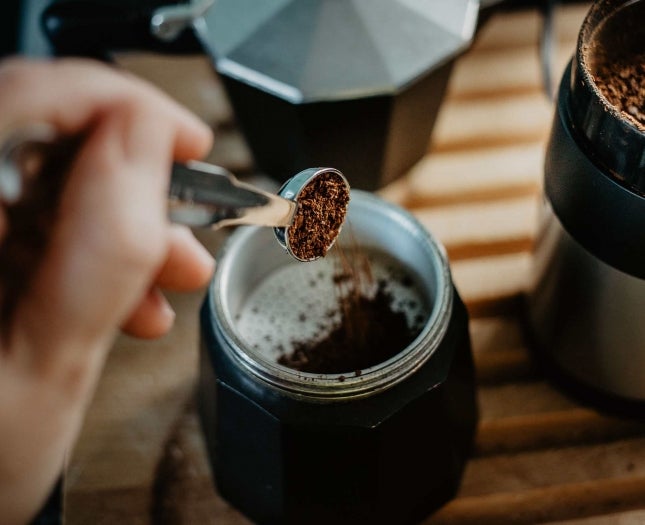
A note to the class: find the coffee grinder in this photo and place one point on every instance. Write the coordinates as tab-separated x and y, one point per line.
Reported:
586	307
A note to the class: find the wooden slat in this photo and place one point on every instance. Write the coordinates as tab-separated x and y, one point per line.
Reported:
505	72
482	229
564	428
507	400
492	285
544	504
522	28
545	467
504	366
492	334
636	517
475	175
467	124
499	352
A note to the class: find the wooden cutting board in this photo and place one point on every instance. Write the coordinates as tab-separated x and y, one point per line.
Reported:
540	456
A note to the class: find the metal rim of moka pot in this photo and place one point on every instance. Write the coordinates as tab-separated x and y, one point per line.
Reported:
595	162
333	387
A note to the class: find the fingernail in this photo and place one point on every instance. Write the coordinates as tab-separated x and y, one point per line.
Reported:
205	257
166	310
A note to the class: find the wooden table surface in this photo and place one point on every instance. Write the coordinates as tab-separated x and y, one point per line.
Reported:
540	457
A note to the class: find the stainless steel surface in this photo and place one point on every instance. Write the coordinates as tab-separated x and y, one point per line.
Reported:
586	316
250	255
298	51
202	194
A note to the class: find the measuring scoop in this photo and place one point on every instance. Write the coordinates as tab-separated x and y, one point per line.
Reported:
200	194
203	194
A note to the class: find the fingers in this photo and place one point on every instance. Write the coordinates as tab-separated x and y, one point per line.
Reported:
188	266
112	238
153	317
112	228
71	94
109	243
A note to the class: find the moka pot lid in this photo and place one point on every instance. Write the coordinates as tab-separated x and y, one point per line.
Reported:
324	50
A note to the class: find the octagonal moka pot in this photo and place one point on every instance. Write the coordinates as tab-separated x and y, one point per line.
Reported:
586	310
353	84
382	445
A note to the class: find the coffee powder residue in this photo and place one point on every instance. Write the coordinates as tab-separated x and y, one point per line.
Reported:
369	332
383	334
622	82
322	206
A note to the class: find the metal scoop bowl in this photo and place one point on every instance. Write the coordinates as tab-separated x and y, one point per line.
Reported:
292	190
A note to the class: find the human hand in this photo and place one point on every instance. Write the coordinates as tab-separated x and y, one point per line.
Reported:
111	251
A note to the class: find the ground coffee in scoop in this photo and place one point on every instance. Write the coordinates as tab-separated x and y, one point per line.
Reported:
322	206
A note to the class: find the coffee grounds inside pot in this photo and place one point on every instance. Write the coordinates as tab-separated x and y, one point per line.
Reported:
370	330
322	206
346	348
622	82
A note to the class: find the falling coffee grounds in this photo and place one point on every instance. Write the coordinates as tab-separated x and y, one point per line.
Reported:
322	206
350	348
369	331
